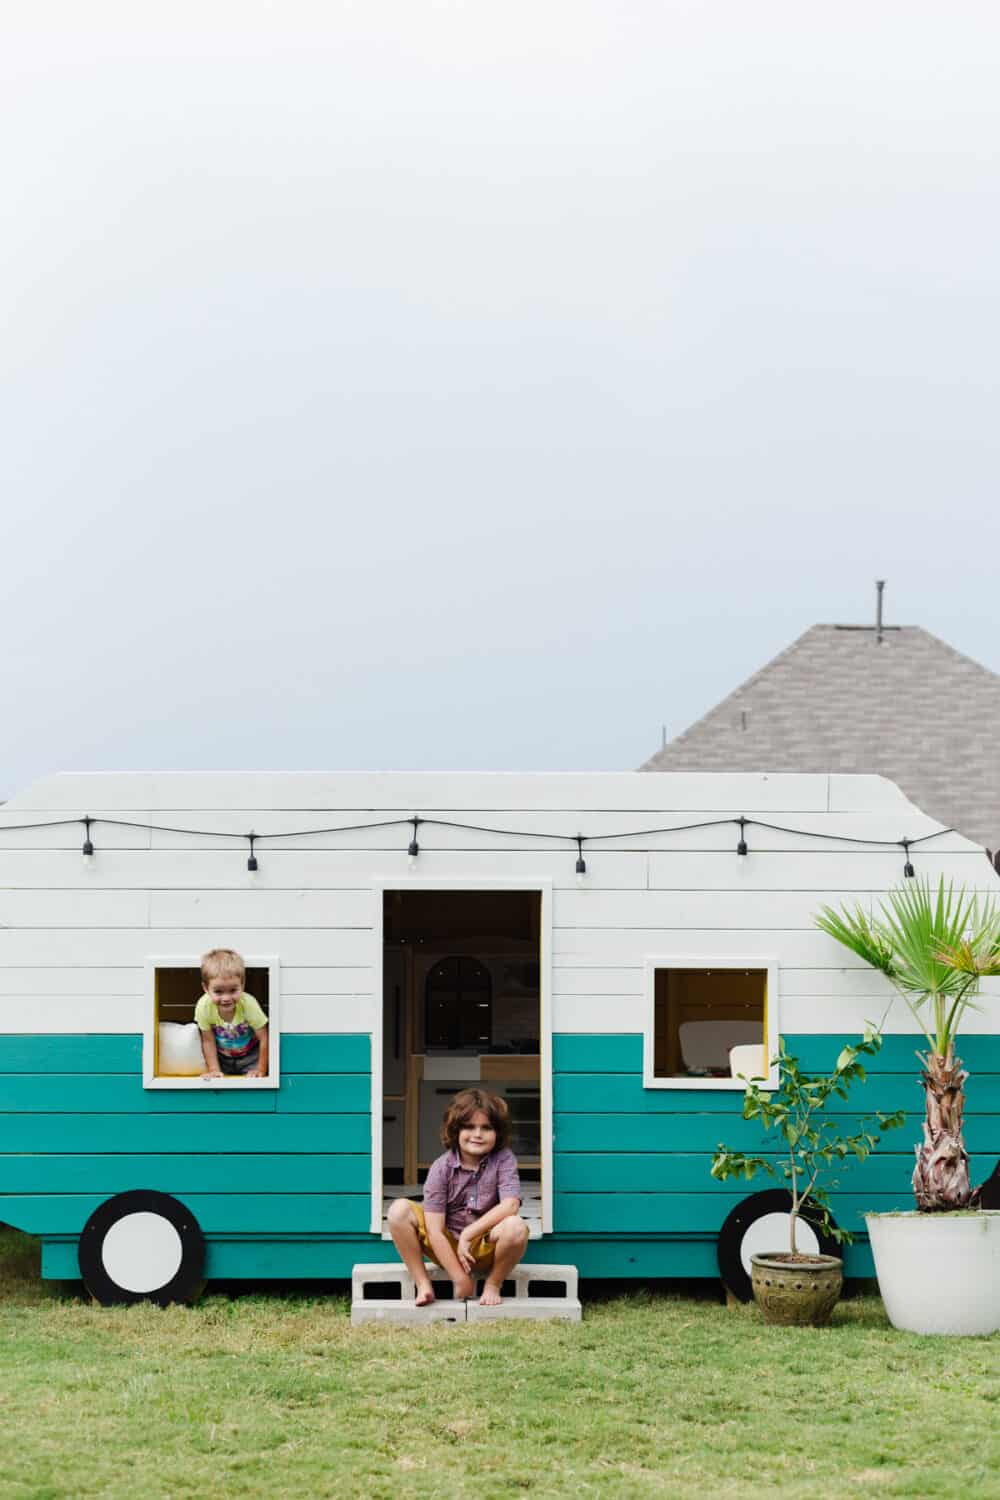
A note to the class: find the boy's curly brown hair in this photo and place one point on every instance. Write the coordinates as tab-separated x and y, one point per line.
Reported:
470	1102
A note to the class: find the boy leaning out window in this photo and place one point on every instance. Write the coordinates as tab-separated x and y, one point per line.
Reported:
232	1026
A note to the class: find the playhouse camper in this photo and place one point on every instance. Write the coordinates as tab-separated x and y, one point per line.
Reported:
605	951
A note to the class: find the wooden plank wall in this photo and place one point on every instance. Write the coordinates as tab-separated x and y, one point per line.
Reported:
638	1159
77	1126
74	937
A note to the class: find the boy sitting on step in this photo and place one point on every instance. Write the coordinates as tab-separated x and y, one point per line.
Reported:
468	1222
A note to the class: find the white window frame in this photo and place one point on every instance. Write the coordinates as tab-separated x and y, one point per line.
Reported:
710	961
150	1080
543	887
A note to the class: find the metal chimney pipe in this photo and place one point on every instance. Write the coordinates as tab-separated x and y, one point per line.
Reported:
879	586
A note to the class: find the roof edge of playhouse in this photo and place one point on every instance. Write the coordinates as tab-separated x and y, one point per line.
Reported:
414	792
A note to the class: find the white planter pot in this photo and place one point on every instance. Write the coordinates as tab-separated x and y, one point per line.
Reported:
938	1273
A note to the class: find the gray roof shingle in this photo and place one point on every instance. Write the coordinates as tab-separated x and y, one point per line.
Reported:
909	707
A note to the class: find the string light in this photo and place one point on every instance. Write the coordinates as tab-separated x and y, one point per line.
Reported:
413	849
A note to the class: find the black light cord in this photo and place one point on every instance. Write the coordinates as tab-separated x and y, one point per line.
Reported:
742	822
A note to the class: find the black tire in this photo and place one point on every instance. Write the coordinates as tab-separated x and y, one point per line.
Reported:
142	1246
735	1276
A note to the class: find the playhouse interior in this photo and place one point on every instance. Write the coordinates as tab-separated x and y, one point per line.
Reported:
709	1023
461	1004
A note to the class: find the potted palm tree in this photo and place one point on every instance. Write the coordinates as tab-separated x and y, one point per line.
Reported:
938	1267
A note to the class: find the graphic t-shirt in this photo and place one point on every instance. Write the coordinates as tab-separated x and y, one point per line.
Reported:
233	1038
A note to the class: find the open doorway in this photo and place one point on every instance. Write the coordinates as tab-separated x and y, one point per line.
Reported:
462	1005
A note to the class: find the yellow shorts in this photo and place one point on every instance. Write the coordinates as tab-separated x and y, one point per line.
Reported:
482	1250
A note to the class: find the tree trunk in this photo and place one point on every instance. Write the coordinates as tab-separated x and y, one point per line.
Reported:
941	1176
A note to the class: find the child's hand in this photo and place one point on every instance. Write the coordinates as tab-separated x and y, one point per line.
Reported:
463	1250
212	1073
464	1288
253	1073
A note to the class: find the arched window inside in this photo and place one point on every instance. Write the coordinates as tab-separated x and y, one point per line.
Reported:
458	1006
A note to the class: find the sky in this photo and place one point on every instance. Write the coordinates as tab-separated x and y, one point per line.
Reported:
433	386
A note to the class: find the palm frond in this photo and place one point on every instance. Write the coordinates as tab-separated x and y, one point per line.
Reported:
977	953
860	933
934	946
919	923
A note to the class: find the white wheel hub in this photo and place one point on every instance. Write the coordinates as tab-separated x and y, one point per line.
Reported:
142	1252
771	1232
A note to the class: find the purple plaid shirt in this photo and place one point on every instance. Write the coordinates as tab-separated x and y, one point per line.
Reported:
464	1194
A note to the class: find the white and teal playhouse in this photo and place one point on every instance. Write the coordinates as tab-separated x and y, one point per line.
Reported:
591	946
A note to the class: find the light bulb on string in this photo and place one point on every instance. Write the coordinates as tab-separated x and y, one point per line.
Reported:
908	871
252	865
88	847
581	863
741	846
414	848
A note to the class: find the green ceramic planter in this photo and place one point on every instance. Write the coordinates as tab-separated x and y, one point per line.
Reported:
796	1290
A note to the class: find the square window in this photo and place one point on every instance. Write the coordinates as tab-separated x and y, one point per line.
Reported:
172	1056
709	1022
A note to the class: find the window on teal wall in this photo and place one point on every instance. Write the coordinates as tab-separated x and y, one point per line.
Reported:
709	1024
172	1048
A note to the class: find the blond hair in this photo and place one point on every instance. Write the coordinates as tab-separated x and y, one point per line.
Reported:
219	963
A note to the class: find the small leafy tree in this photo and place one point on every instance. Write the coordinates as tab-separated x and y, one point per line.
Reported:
934	948
814	1144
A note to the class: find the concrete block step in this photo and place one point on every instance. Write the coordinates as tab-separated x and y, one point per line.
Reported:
375	1298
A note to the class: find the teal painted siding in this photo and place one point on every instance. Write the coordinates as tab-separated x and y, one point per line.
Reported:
217	1213
76	1126
635	1161
113	1173
632	1195
590	1052
301	1052
159	1134
70	1054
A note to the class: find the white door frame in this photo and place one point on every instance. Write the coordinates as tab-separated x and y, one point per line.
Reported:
543	887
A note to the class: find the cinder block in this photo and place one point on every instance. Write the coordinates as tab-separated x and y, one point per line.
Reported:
403	1309
389	1273
407	1313
523	1275
540	1309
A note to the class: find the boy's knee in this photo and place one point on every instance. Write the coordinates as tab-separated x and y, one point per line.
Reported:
513	1232
400	1212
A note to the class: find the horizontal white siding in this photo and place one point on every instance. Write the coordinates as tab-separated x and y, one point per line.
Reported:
74	935
413	792
127	1013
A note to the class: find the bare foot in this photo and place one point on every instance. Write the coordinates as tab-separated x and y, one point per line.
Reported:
491	1295
425	1294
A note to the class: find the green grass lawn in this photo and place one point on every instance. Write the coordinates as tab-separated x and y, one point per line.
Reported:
653	1394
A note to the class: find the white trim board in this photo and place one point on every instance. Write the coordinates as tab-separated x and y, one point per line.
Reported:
185	961
543	887
711	961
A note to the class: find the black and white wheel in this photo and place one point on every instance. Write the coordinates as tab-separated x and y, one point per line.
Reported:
761	1223
142	1246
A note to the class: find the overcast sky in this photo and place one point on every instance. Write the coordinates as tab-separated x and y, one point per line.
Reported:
480	386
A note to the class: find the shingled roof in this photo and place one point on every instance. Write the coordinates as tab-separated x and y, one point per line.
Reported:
906	706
